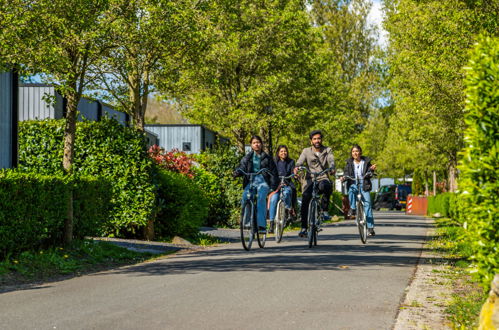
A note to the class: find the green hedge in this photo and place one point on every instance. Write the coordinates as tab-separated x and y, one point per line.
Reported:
33	208
214	175
439	204
105	150
479	178
184	205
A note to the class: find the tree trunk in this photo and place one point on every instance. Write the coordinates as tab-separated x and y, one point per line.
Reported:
434	183
452	177
68	158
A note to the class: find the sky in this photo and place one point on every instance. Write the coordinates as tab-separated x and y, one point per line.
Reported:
375	17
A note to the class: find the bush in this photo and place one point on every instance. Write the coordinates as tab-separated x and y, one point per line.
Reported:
33	208
479	179
439	204
105	150
215	178
184	206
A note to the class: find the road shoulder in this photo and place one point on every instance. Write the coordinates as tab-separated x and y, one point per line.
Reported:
428	292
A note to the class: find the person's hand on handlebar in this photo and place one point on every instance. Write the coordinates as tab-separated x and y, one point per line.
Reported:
236	173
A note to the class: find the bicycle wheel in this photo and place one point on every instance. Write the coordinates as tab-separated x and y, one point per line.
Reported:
260	237
280	221
361	222
312	216
246	226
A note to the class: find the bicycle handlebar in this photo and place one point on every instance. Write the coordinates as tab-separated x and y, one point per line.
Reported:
315	173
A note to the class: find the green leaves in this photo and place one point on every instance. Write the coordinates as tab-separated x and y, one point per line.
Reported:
114	154
479	182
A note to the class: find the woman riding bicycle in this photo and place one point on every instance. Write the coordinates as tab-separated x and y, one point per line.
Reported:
359	166
253	162
285	167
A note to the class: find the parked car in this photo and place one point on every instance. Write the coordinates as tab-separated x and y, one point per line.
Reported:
392	196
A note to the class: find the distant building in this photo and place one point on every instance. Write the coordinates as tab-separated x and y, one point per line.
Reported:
41	101
8	119
188	138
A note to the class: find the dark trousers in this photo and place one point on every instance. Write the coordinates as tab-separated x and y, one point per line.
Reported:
325	188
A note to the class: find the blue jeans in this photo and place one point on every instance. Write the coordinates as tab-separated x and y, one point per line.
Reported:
262	189
287	193
366	197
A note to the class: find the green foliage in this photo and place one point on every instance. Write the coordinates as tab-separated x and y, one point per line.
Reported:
105	150
429	44
439	204
215	177
335	205
184	205
479	181
33	208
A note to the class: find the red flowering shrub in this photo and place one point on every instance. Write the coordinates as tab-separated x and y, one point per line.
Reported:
175	160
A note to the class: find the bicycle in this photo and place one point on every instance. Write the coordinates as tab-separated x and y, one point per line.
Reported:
248	224
360	217
282	213
315	212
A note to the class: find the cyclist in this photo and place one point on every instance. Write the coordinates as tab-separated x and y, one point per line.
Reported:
359	166
317	157
253	162
285	167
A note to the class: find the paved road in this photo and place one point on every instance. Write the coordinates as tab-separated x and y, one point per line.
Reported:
340	284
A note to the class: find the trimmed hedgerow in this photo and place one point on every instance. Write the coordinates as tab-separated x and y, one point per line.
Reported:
184	205
105	150
33	208
479	179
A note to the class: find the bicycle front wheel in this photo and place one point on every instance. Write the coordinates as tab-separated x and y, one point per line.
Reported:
280	221
312	219
361	222
246	226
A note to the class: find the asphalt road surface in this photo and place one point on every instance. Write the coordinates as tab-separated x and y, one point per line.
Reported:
340	284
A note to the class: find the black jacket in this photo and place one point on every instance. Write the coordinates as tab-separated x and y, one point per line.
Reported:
271	177
350	171
290	165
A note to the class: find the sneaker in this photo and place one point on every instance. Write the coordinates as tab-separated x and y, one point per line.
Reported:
326	216
303	232
262	230
371	231
271	229
352	213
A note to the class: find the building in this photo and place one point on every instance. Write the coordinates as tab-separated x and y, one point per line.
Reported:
41	101
188	138
8	119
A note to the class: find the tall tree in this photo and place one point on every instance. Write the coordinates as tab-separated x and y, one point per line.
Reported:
60	39
429	45
151	40
247	78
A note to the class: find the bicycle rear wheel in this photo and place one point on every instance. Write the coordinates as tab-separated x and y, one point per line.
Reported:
312	218
280	221
246	226
361	222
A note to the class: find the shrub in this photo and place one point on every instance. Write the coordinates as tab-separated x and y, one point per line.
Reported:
33	208
105	150
175	161
184	206
439	204
479	179
218	164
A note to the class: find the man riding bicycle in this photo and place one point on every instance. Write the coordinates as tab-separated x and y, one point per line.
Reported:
253	162
317	157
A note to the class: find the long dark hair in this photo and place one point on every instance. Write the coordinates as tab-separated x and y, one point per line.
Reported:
277	152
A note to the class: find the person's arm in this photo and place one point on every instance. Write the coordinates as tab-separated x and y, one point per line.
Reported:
274	175
301	160
242	166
